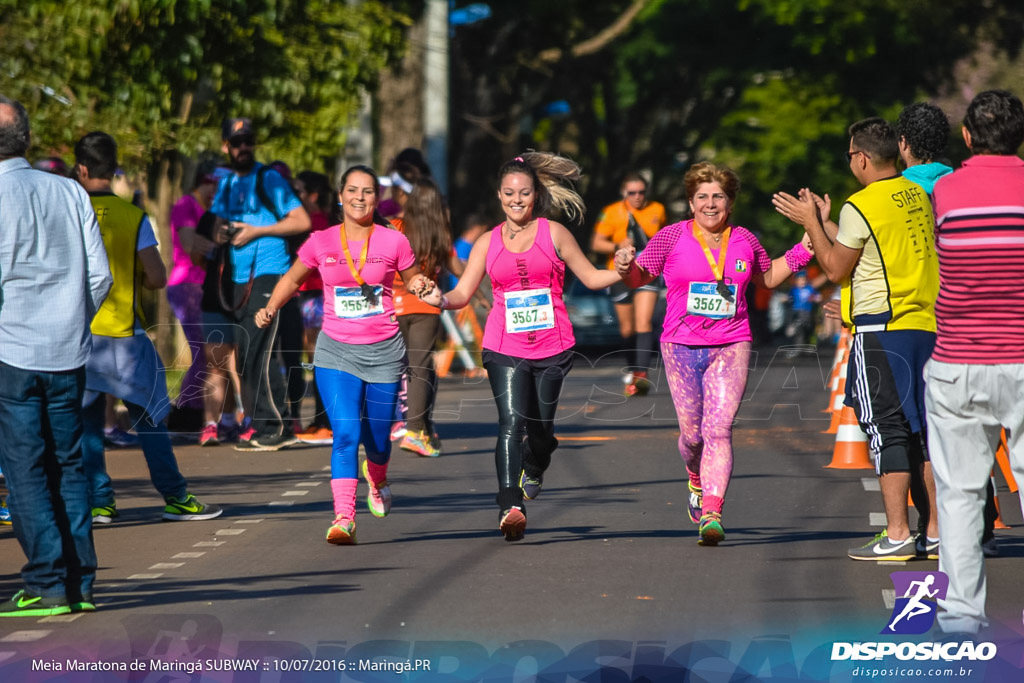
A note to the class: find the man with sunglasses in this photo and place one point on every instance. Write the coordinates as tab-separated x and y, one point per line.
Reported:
624	224
256	211
884	256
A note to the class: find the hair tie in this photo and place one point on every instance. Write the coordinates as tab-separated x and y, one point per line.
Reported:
520	160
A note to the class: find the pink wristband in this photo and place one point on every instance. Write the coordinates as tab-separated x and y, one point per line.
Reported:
798	257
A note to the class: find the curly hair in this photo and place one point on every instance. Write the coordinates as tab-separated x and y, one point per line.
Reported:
552	175
925	129
706	172
14	130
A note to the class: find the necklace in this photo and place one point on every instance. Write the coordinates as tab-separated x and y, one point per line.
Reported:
512	233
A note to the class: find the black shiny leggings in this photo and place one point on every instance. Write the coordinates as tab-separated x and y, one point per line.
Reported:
527	399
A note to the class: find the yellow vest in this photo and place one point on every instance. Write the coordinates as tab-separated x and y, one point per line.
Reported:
119	225
901	250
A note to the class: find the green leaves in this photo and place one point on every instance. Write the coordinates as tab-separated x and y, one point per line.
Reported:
160	75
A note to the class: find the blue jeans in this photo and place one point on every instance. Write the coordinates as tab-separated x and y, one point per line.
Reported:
41	456
155	444
358	411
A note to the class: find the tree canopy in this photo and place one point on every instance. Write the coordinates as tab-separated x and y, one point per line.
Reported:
768	87
160	75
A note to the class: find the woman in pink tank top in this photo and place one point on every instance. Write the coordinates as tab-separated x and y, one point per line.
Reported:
528	340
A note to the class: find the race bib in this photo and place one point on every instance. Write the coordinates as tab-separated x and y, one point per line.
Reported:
529	310
349	303
704	300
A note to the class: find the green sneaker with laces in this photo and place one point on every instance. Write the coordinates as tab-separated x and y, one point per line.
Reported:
189	509
711	531
24	604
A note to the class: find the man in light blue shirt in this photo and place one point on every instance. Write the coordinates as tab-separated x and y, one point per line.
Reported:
53	278
256	210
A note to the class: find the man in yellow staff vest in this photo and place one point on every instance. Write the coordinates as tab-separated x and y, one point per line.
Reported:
124	362
884	253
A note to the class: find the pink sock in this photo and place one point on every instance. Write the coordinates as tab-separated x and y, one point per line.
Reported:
694	478
344	491
378	473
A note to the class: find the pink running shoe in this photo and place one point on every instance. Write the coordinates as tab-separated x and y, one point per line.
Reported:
209	437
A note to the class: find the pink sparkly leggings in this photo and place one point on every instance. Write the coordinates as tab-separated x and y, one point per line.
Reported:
707	385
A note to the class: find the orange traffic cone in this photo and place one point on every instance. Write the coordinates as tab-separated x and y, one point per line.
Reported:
842	352
1000	524
838	396
851	451
1003	460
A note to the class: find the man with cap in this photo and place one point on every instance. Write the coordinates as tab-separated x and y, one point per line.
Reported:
256	212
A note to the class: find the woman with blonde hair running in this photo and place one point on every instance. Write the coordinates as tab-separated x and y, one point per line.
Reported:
528	339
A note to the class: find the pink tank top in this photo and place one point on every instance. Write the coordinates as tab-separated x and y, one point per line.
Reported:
528	319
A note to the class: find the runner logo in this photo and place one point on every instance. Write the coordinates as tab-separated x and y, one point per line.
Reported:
916	597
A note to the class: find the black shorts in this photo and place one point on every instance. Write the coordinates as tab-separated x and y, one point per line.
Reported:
622	294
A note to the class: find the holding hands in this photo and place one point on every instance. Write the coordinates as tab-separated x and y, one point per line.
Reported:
625	257
426	290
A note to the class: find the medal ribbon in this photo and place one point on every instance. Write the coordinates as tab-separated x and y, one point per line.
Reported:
364	288
717	269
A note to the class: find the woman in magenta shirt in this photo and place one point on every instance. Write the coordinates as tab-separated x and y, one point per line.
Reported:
705	343
185	281
359	357
528	339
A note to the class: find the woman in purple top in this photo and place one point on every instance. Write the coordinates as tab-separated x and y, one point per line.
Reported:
528	340
705	343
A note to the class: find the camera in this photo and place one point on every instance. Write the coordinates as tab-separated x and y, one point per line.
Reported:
231	230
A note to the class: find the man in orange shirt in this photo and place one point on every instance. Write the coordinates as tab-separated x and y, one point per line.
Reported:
630	223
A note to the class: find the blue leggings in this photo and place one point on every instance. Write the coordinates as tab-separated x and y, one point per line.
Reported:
359	412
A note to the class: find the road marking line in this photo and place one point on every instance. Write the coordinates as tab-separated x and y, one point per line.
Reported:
310	484
282	502
229	532
144	576
187	556
871	484
24	636
877	519
892	563
61	618
889	597
325	469
586	438
168	565
295	493
208	544
248	521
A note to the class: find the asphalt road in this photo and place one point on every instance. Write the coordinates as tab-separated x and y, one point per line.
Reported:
609	578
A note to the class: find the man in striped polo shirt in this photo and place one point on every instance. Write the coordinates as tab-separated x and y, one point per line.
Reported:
976	373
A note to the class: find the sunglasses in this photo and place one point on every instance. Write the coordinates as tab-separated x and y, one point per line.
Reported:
247	140
633	193
849	155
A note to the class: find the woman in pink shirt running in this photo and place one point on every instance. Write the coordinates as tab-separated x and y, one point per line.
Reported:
705	342
528	340
360	354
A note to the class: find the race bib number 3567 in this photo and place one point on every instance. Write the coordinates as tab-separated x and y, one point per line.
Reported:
704	300
529	310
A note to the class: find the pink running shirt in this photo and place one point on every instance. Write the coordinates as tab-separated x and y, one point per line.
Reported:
389	252
538	268
186	211
676	254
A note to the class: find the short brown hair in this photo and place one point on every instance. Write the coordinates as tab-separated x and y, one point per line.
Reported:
706	172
